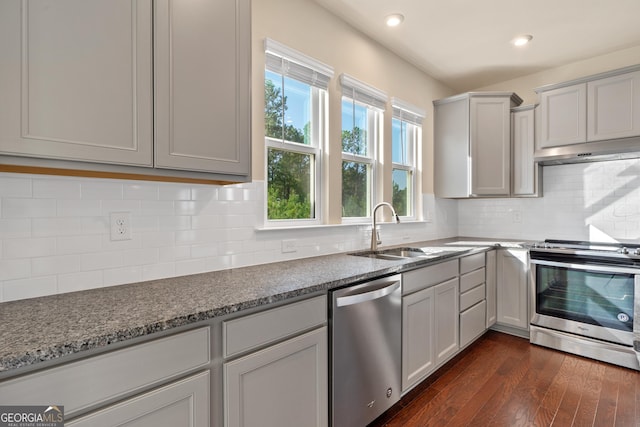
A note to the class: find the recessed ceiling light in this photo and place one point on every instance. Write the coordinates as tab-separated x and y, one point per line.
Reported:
394	20
522	40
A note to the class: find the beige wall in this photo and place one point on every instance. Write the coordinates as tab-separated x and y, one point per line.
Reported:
305	26
524	86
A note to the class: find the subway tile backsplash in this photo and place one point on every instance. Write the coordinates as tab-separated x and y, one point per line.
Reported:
586	201
54	232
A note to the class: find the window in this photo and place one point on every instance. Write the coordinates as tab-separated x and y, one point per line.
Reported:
362	108
295	114
406	132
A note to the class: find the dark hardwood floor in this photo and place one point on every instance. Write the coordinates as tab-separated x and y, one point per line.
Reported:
502	380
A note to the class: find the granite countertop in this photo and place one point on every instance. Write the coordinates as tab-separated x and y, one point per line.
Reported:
47	328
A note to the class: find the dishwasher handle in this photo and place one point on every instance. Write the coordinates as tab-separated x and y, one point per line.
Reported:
379	291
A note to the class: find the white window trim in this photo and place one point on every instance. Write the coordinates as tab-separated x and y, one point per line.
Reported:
319	122
376	101
374	120
415	114
289	54
412	115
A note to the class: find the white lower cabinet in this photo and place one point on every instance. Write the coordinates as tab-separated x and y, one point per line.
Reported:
444	309
418	351
278	383
96	382
472	323
183	403
512	288
473	294
491	283
429	320
446	320
282	385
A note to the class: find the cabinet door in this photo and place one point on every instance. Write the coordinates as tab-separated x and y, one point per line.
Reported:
282	385
613	109
525	170
490	145
563	116
202	86
491	287
418	358
183	403
451	148
76	80
446	320
512	288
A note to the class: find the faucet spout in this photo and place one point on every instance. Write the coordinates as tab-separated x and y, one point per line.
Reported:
375	240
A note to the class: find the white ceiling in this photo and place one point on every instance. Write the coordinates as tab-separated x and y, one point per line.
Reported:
466	43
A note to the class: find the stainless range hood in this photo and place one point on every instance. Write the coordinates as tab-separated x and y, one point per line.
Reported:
614	149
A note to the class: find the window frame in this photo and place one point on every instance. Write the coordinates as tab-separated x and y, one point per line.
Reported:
318	122
411	117
374	101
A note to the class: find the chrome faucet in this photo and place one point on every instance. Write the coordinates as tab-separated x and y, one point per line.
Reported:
375	238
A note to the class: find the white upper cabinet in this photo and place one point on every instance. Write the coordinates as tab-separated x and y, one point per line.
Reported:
472	144
613	107
595	108
525	173
76	80
451	148
161	84
490	142
202	87
563	116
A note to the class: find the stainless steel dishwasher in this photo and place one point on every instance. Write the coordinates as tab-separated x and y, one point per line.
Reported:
365	350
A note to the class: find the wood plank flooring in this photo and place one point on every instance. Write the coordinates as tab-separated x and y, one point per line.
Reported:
503	380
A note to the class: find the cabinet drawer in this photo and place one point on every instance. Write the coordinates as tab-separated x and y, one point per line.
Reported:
424	277
472	297
98	379
472	323
471	262
471	280
183	403
249	332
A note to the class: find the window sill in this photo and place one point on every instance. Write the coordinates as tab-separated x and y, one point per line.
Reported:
327	226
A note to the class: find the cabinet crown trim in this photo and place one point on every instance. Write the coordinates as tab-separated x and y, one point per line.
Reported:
515	99
586	79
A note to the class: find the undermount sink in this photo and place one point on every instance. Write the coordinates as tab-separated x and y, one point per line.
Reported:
404	252
428	252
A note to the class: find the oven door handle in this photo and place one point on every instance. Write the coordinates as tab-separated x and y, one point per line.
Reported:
587	267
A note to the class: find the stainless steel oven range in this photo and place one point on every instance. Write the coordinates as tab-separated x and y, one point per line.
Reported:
586	299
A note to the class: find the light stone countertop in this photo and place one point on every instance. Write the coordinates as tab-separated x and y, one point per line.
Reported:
47	328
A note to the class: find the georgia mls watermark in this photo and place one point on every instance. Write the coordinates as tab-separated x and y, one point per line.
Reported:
32	416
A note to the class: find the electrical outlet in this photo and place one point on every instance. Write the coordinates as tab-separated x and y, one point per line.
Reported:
517	216
428	216
120	225
288	246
